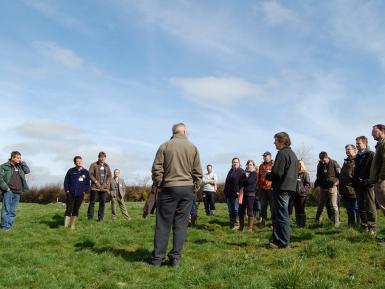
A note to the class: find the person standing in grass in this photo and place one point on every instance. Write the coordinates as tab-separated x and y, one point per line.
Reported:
117	192
328	173
177	172
301	194
76	183
248	185
231	191
346	186
284	176
377	171
364	188
265	191
209	189
100	174
12	184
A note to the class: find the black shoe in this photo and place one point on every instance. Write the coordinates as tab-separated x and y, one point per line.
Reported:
174	263
151	262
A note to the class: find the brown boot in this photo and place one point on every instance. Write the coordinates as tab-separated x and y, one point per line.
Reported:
241	224
261	225
250	223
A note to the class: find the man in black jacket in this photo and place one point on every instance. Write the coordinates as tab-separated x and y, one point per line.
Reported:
284	177
364	188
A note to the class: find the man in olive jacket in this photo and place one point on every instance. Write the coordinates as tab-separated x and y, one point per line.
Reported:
284	176
100	174
177	172
328	173
377	171
12	184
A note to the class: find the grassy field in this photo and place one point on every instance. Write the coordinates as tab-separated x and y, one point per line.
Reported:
40	253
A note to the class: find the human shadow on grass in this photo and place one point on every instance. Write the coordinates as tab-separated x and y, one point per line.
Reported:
219	222
203	227
56	221
301	237
139	255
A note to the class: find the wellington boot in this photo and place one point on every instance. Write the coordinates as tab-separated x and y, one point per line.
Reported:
72	222
236	223
241	224
262	224
250	223
67	221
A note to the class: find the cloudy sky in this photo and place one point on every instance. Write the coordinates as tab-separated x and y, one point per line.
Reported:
78	77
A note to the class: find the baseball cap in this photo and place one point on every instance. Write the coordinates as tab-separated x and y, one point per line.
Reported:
266	153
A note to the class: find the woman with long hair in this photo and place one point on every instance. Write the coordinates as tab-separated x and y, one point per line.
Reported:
300	197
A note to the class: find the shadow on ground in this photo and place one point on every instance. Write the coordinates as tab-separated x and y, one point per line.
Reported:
56	221
138	255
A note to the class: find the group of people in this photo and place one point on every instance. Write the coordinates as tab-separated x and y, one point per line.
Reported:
281	184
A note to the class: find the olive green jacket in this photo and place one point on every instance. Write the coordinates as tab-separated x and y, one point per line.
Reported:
6	173
346	179
95	177
377	170
177	163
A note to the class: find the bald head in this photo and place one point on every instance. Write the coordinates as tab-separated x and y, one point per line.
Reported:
179	129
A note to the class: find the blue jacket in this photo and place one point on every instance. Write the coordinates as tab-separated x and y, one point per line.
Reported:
248	181
232	182
77	182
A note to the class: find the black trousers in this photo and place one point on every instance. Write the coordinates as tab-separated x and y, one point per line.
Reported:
209	201
102	202
73	205
172	211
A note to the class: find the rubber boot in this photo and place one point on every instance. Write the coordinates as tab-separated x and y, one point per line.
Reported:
236	223
241	223
300	220
194	219
67	221
212	212
72	222
250	223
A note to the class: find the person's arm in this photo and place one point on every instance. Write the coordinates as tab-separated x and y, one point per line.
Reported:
92	174
25	167
67	182
109	176
87	181
278	169
197	171
157	167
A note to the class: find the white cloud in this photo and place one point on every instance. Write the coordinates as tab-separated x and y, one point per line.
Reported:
62	55
220	90
276	14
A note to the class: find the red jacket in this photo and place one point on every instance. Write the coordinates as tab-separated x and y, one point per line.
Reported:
264	184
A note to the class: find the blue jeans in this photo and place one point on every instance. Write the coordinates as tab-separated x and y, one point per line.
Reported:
233	206
256	207
194	207
281	219
351	206
8	211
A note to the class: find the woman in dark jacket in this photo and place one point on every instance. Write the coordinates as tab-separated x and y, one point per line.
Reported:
300	197
231	191
248	185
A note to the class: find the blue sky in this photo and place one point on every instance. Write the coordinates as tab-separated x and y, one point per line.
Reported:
78	77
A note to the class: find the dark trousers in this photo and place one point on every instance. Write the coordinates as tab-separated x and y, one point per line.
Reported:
209	201
256	207
266	198
351	206
248	203
281	220
102	202
73	205
367	206
173	208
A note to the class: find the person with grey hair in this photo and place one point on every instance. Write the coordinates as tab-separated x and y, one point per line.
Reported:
12	184
284	176
177	173
346	185
117	193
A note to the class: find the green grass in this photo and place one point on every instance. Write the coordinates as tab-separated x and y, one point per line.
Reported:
40	253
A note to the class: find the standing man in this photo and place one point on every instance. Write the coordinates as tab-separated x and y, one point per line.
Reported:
284	176
100	174
264	188
364	188
76	183
347	189
12	184
177	171
117	192
328	173
210	187
377	171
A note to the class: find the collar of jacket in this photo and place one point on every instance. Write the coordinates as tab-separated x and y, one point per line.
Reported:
178	136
